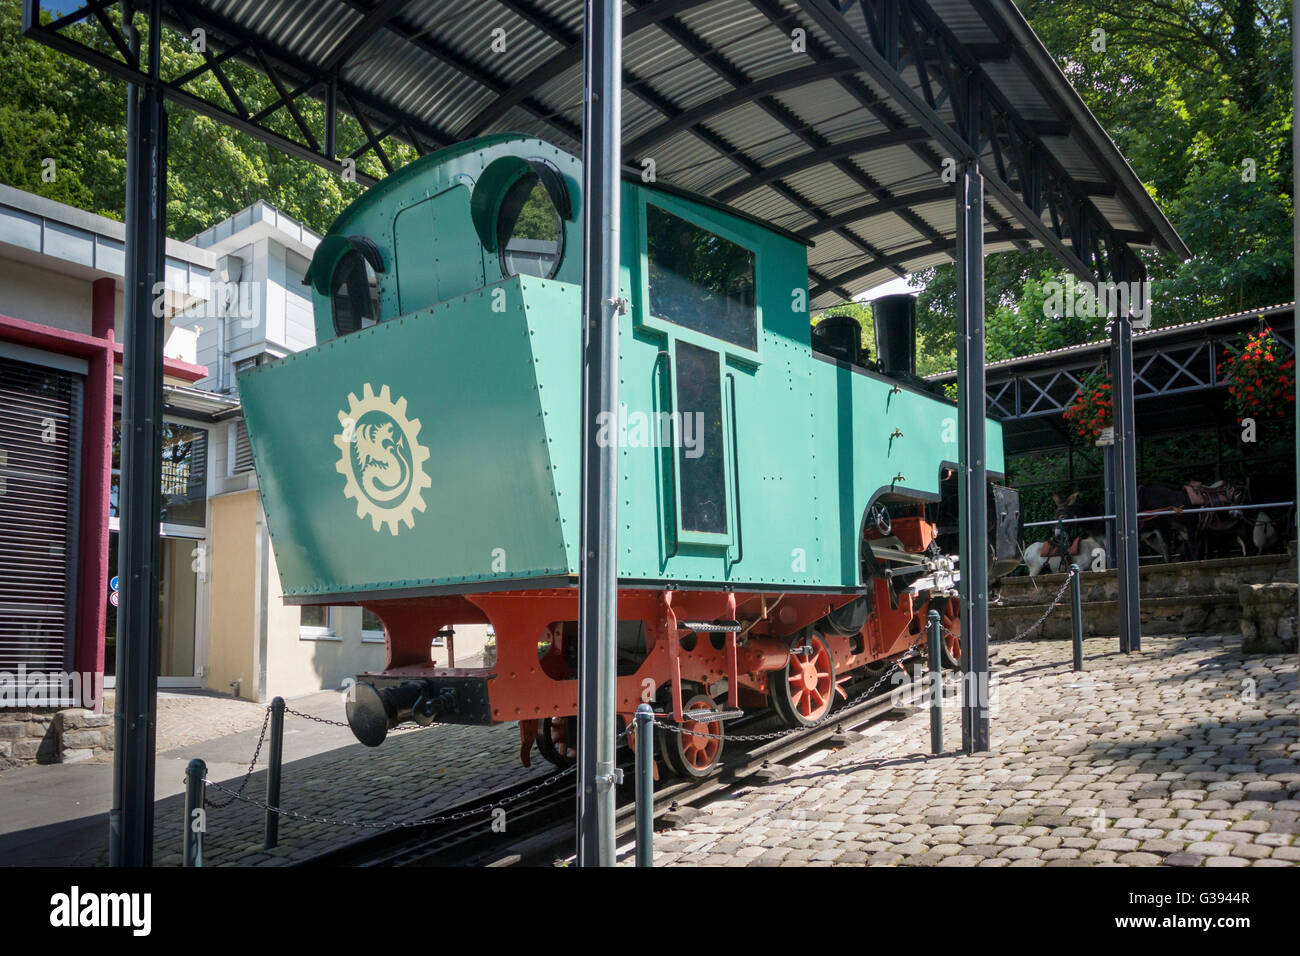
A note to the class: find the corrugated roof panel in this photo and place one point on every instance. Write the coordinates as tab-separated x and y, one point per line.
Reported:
410	64
1013	83
770	206
829	109
687	162
309	30
744	36
963	20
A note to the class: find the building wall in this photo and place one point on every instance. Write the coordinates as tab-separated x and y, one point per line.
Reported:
273	312
46	297
242	568
232	580
297	664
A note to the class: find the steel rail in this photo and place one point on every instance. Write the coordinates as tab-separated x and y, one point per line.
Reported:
548	813
1166	511
681	793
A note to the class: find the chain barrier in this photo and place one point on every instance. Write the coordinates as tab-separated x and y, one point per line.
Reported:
673	727
319	720
1069	576
252	764
398	824
238	795
257	752
1065	585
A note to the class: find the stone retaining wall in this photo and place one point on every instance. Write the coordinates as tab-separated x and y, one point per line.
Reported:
1205	597
1268	617
46	735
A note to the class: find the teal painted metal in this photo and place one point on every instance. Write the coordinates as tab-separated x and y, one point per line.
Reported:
439	449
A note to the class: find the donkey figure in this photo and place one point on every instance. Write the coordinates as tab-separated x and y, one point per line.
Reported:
1192	537
1086	547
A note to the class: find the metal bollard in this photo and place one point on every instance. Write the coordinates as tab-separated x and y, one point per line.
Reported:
273	775
1076	616
936	684
645	785
196	819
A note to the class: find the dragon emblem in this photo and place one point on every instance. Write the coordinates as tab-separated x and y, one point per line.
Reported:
381	459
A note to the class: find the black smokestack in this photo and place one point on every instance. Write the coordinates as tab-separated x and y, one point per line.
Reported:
895	317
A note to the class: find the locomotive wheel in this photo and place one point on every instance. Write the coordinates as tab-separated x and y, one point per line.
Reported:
950	636
556	739
802	693
687	754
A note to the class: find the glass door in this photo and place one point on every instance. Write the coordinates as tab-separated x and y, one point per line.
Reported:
179	599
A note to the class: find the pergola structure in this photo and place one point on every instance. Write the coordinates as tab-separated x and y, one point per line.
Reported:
1177	389
892	134
1177	385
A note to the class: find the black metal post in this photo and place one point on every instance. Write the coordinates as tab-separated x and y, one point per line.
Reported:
1108	505
972	480
936	683
273	775
135	709
602	307
1076	616
1126	526
196	820
645	786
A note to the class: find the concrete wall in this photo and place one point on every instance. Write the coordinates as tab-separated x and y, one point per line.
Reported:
297	662
46	297
278	312
299	665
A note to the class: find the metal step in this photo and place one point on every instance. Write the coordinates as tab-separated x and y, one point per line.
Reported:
708	716
707	627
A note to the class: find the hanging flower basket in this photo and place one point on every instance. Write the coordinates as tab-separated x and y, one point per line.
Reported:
1260	384
1090	410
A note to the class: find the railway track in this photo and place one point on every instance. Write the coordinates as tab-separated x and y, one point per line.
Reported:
541	822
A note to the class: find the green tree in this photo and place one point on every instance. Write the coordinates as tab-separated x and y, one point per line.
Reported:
53	107
1197	95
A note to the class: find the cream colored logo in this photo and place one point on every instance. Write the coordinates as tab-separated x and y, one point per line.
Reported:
381	459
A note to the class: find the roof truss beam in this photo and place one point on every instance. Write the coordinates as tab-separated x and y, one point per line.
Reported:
291	77
894	260
1018	170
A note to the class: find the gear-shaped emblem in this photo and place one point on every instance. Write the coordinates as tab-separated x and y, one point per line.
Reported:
381	459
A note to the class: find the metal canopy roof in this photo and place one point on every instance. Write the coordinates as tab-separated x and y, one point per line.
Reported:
840	134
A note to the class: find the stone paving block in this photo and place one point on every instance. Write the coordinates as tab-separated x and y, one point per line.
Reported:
1183	779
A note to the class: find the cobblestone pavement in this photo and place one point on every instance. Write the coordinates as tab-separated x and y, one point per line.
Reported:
187	718
413	775
1184	754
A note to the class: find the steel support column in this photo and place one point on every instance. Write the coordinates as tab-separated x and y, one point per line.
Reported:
602	307
1108	501
972	481
1126	524
135	709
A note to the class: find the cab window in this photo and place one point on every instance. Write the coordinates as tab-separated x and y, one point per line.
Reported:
354	294
531	233
699	280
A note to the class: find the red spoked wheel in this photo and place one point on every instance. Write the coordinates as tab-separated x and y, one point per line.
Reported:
802	693
950	636
688	753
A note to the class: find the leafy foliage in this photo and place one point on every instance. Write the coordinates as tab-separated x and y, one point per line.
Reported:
1197	95
55	107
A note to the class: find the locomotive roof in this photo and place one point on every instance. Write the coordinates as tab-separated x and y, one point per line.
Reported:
832	133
